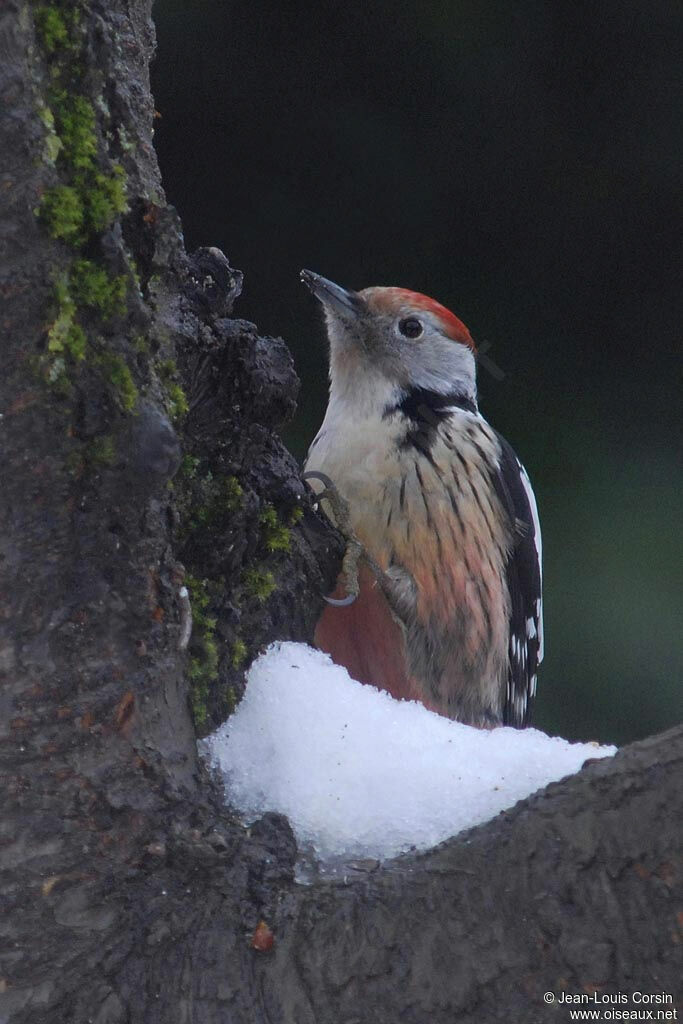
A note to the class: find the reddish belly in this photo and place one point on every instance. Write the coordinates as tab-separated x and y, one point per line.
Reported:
365	638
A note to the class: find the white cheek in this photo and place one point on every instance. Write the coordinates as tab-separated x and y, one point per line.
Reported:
440	365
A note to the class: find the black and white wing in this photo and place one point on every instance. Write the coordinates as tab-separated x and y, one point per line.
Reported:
524	580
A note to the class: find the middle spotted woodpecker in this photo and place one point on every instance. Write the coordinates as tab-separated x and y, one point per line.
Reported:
448	610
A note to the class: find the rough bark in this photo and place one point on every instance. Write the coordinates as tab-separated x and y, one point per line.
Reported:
138	456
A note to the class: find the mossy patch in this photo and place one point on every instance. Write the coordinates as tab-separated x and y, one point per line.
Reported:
86	286
53	144
213	498
119	379
75	125
65	336
276	536
105	198
230	701
239	653
203	670
91	197
55	27
189	466
72	213
140	344
177	402
175	396
259	583
92	286
61	211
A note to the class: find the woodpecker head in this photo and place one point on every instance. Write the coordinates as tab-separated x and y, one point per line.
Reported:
388	341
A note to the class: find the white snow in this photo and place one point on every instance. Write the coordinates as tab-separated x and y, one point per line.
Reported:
361	775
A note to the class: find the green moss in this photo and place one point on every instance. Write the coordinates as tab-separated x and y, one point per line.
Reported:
230	493
120	380
188	466
93	200
123	384
61	211
214	498
177	401
203	668
65	337
53	144
209	662
239	652
75	120
176	398
90	198
95	454
93	287
140	344
296	515
276	536
230	700
87	285
168	370
53	29
74	212
259	583
105	198
76	342
199	695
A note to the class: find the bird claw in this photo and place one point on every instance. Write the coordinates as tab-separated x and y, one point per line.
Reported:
341	516
314	474
341	602
342	520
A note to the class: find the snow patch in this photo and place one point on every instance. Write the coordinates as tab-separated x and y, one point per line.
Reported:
361	775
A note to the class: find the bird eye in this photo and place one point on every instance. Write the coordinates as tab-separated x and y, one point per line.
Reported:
410	327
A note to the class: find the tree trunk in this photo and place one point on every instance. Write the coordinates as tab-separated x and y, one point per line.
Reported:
138	459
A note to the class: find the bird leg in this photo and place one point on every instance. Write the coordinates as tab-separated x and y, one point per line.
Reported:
341	518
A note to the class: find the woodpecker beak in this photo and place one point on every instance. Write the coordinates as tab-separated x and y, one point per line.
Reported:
332	295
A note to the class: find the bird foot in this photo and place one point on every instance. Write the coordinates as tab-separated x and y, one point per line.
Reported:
341	518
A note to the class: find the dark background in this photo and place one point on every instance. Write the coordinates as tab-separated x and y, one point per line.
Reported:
519	162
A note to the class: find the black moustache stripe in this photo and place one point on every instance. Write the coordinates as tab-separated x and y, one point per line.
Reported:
425	410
